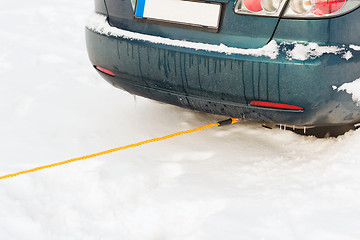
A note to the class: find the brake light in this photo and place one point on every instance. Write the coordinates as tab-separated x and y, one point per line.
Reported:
325	7
253	5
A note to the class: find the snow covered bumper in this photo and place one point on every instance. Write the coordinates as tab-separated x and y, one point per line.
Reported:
320	80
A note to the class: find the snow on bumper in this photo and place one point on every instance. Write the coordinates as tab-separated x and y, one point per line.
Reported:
294	50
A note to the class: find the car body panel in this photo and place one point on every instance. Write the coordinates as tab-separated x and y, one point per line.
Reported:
235	30
339	30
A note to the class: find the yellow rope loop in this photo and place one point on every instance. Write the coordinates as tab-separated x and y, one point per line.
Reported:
233	120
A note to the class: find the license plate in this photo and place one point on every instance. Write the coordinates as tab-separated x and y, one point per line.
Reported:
192	13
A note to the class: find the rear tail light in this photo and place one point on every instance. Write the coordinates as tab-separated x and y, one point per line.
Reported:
325	7
259	7
296	8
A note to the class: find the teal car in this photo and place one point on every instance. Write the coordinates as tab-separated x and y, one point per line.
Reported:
289	62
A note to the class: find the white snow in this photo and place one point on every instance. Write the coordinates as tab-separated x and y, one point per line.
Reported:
313	50
347	55
352	88
355	47
238	182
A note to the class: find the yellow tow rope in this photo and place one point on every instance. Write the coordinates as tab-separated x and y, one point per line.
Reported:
226	122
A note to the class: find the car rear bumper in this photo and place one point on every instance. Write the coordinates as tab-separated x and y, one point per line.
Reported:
224	80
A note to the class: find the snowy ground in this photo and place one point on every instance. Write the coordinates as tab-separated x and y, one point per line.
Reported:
239	182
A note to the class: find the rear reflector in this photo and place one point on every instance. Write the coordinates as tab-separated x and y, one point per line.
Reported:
275	105
103	70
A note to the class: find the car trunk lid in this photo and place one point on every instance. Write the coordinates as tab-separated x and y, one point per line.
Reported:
234	30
